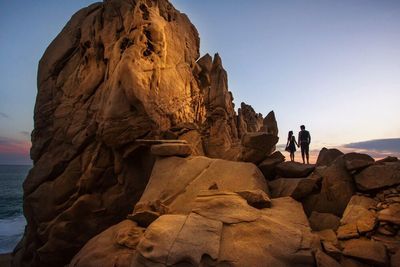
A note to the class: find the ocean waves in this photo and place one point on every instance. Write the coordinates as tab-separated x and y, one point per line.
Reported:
11	231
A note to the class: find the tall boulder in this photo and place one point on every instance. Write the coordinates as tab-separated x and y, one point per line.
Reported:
118	71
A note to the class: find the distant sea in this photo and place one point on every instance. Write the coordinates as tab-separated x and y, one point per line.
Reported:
12	221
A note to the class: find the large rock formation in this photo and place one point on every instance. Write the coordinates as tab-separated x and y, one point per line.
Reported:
138	161
119	71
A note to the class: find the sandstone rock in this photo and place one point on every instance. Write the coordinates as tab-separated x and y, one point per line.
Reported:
268	165
291	169
392	243
144	218
114	74
324	260
257	146
390	214
327	156
395	259
175	182
119	71
332	250
296	188
269	124
280	236
255	198
330	243
168	150
356	161
357	213
322	221
347	231
116	246
253	121
336	191
357	207
368	251
378	176
193	137
328	235
226	207
169	240
387	159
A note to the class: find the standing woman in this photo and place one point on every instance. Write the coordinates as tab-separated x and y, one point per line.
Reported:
291	145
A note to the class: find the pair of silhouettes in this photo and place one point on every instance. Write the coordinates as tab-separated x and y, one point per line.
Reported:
304	143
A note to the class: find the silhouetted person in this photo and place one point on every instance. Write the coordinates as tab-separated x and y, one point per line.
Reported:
304	141
291	145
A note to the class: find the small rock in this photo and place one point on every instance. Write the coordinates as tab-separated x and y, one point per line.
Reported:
168	150
290	169
328	235
327	156
378	176
324	260
257	146
331	249
256	198
296	188
321	221
356	161
392	243
144	218
357	212
347	231
371	252
386	230
387	159
268	165
390	214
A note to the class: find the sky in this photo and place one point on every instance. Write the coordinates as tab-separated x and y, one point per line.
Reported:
333	66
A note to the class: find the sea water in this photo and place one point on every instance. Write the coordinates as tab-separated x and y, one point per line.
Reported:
12	221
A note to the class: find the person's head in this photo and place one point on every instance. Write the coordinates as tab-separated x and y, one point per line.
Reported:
302	127
290	134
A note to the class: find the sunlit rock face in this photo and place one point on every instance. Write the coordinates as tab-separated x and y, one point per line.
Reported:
119	71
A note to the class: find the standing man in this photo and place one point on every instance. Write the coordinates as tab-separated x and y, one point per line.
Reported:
304	142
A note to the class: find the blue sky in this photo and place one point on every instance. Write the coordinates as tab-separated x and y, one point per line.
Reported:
331	65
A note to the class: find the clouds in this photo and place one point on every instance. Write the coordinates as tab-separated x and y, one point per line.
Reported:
4	115
14	151
387	145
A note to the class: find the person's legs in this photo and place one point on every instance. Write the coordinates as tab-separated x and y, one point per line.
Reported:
307	151
292	156
302	153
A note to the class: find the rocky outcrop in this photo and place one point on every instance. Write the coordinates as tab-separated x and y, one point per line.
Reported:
268	165
388	173
337	188
290	169
119	71
223	224
138	160
175	182
327	156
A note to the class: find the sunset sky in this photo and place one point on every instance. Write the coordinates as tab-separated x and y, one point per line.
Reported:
331	65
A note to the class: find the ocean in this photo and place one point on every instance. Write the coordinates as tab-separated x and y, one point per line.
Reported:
12	221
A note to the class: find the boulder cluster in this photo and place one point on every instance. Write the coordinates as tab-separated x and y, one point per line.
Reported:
140	159
198	211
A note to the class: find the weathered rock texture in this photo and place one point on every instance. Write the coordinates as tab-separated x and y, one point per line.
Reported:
221	230
119	71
